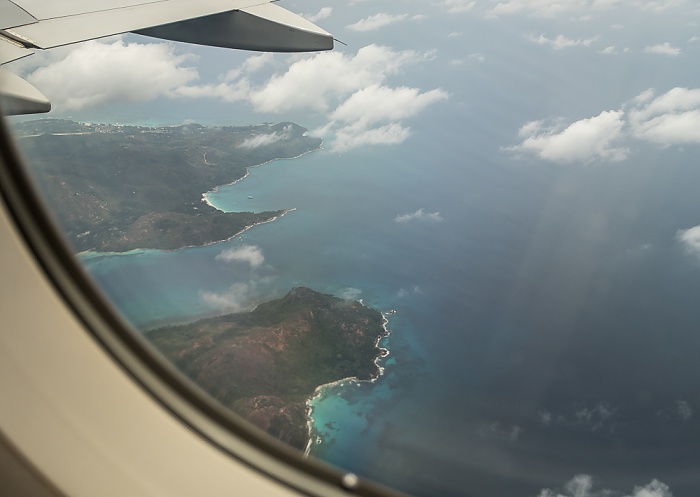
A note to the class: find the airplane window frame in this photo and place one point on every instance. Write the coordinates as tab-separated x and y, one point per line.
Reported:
139	360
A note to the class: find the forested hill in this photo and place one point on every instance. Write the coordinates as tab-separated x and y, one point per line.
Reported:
266	363
115	188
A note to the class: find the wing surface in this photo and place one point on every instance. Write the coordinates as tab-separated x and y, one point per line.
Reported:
27	25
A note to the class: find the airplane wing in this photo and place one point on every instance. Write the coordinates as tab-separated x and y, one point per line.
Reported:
28	25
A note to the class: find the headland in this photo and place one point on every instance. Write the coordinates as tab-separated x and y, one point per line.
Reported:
116	188
266	364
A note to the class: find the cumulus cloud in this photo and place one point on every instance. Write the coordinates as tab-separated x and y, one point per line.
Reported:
390	134
332	75
609	50
659	5
100	72
226	92
663	49
583	486
236	298
377	21
350	293
324	13
685	412
594	417
670	119
690	240
350	90
549	8
557	8
264	139
251	65
420	215
414	290
251	254
376	104
561	41
582	141
373	115
362	110
456	6
589	417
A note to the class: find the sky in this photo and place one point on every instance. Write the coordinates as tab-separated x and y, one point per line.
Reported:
403	58
573	84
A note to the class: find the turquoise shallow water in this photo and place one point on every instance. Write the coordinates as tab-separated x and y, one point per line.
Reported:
528	275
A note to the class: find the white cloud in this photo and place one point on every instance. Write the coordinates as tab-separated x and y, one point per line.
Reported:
414	290
250	254
582	486
256	62
663	49
376	21
263	139
693	39
390	134
684	410
238	91
350	293
478	57
99	72
342	87
561	41
331	75
420	215
609	50
456	6
645	96
372	115
670	119
582	141
594	417
236	298
549	8
376	104
690	240
659	5
324	13
249	66
559	8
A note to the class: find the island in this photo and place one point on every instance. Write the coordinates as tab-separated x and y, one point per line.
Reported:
114	188
265	364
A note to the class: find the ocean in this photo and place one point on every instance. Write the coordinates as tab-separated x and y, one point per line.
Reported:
545	317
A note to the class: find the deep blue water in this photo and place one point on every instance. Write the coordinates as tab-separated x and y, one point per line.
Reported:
545	324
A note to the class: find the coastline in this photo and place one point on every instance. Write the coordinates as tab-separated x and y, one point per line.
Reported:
87	254
313	437
205	197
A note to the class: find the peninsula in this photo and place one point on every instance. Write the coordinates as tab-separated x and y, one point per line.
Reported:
266	363
116	188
